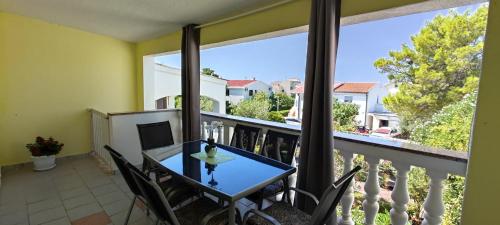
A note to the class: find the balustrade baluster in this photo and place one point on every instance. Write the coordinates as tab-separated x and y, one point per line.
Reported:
220	135
372	188
226	135
400	196
433	205
348	198
204	135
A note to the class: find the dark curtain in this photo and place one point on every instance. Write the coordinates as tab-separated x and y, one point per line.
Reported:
190	51
316	162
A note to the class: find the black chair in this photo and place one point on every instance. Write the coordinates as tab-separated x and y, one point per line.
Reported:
289	215
154	135
245	137
175	192
281	147
200	212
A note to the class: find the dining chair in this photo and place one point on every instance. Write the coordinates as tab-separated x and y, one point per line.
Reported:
281	147
154	135
203	211
285	214
175	192
245	137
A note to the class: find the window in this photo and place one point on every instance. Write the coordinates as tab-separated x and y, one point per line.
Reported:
348	99
250	93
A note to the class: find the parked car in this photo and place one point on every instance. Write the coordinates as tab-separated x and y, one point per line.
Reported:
385	132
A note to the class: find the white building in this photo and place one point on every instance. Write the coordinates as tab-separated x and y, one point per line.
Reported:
287	86
167	85
239	90
368	97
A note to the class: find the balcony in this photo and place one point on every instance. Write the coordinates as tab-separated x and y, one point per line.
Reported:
118	129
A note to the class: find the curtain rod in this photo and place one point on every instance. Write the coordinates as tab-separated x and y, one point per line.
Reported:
244	14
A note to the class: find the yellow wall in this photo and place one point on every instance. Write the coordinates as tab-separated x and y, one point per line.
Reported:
49	75
483	179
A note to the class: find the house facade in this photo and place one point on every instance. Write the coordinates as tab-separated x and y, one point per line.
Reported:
239	90
367	96
287	86
167	85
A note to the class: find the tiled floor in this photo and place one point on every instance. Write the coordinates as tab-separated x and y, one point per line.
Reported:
75	192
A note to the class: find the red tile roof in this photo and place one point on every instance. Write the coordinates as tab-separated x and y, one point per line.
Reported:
348	87
354	87
239	83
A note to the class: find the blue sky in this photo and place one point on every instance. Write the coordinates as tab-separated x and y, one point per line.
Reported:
282	57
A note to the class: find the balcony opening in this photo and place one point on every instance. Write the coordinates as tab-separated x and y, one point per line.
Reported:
414	84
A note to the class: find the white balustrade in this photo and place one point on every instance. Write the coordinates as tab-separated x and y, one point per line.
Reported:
438	164
372	188
400	196
433	205
100	137
397	153
348	198
220	134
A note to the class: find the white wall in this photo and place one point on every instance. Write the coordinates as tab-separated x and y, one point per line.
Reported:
237	94
124	136
378	91
358	99
165	81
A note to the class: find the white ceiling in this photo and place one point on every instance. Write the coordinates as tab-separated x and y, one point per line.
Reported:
130	20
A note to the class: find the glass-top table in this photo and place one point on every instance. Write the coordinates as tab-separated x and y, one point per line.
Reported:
245	173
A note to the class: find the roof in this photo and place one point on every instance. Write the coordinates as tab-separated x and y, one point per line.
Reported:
345	87
353	87
239	83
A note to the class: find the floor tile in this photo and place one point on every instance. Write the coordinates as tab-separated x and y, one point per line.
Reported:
47	215
111	197
116	207
96	181
62	221
100	218
104	189
83	211
43	205
74	192
72	203
136	215
14	218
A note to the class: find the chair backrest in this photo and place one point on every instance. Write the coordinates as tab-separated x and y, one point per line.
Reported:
121	163
280	146
154	196
331	198
155	135
245	137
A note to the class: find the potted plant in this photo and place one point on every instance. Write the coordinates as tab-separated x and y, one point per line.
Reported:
43	153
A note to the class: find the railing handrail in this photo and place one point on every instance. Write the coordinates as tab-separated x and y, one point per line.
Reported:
92	110
141	112
418	155
362	139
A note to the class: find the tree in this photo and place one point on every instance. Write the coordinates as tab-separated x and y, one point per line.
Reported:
209	72
450	127
281	101
256	107
344	116
206	104
441	66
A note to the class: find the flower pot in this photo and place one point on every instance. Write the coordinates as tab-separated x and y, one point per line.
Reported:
42	163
